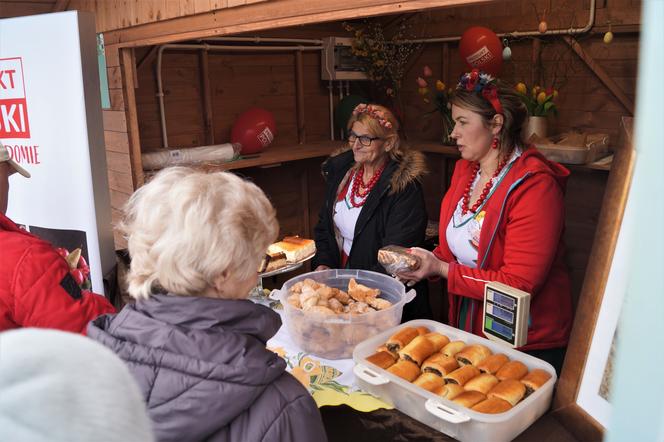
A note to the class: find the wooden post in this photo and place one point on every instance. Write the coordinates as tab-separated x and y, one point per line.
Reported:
535	72
304	195
445	64
128	68
601	74
299	95
208	120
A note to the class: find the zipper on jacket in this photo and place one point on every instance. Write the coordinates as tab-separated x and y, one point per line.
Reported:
363	227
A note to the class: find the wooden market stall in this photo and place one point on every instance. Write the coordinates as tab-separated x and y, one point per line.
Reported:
205	90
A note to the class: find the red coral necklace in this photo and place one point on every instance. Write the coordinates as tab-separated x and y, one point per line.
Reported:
358	183
485	192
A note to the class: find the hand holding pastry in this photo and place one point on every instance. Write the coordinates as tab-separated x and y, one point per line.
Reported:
430	266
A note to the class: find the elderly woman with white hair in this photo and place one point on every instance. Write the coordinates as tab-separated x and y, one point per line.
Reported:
192	340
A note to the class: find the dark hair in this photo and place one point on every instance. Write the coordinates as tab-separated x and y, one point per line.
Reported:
514	113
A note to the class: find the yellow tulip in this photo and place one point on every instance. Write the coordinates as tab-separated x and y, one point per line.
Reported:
541	97
440	86
535	91
521	88
555	94
423	90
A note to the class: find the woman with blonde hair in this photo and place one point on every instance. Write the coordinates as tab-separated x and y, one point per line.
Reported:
192	340
373	199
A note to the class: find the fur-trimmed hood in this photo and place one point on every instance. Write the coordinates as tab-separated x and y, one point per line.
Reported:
411	167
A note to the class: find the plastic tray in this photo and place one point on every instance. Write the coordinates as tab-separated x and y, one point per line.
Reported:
446	416
335	336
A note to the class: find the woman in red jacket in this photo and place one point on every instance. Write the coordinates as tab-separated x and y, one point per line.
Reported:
502	219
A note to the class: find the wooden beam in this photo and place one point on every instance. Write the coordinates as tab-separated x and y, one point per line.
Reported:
601	74
147	57
60	5
446	65
299	96
128	68
208	120
265	15
536	60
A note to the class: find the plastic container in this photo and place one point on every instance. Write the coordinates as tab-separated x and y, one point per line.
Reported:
446	416
335	336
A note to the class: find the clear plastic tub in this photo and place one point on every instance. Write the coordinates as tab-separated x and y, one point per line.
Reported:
335	336
446	416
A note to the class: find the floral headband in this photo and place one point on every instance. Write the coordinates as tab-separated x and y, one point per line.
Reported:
476	81
374	113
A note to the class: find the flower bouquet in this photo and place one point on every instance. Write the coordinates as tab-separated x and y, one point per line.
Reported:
540	102
440	97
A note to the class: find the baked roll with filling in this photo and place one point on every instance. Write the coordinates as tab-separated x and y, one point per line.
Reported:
405	370
512	370
509	390
383	359
400	339
492	405
462	375
439	364
422	330
449	391
417	350
469	398
534	380
482	383
439	341
453	348
493	363
429	381
473	354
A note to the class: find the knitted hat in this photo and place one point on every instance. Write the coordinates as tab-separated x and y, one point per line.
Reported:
57	386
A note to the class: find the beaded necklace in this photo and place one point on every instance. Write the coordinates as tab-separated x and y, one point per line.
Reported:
358	184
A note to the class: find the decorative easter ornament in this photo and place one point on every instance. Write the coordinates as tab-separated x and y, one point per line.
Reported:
608	37
507	52
543	26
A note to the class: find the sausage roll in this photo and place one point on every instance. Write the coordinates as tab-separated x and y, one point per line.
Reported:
417	350
492	405
429	381
422	330
469	398
482	383
493	363
439	341
461	375
453	348
400	339
440	364
512	370
449	391
405	370
534	380
383	359
473	354
509	390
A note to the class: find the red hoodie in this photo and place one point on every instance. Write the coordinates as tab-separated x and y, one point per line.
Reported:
36	289
520	245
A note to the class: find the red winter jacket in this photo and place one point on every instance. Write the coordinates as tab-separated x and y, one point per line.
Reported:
36	289
520	245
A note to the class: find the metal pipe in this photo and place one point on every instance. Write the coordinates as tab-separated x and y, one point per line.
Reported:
515	34
258	40
207	47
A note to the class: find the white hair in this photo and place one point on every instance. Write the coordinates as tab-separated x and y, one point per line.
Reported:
185	228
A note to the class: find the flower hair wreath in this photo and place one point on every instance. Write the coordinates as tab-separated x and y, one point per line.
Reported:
476	81
374	113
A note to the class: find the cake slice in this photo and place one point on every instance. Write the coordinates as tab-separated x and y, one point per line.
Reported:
294	247
272	261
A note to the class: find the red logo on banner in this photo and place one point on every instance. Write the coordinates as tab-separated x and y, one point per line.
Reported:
13	104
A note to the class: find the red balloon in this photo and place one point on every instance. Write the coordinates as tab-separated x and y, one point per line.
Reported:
480	48
254	129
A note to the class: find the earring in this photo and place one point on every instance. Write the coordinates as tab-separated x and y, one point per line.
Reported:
494	143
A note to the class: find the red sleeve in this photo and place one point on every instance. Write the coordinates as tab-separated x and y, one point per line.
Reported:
45	297
534	223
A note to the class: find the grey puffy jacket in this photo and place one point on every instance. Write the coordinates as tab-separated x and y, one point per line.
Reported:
205	373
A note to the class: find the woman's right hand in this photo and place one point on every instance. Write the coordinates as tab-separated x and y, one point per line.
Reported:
321	267
430	266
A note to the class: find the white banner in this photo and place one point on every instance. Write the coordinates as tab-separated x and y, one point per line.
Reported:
51	124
